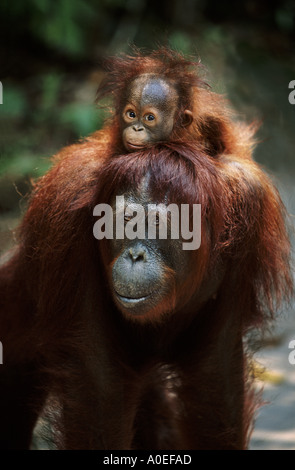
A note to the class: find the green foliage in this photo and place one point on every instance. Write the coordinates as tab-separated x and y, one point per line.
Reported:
285	18
58	24
181	41
14	102
44	114
81	119
25	165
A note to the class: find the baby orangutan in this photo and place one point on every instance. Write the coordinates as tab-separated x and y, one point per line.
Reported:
149	114
160	98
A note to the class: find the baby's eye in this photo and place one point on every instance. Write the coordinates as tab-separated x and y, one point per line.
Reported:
150	117
131	114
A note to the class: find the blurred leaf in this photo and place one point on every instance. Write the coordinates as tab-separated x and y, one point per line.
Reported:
41	5
50	84
25	164
14	101
83	119
180	41
60	24
114	3
284	19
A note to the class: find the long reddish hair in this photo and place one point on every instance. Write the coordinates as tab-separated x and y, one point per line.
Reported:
243	218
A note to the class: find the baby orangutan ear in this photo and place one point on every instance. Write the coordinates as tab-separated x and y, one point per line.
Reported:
187	118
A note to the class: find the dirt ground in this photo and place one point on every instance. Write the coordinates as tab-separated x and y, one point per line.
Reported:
275	423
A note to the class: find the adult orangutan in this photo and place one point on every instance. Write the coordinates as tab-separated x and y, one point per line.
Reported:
136	341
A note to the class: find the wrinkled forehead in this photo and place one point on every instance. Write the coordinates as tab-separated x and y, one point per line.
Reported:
149	89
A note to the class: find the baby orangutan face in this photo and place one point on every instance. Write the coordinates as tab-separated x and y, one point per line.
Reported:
149	113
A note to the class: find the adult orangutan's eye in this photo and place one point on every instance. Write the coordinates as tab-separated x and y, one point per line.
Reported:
127	217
